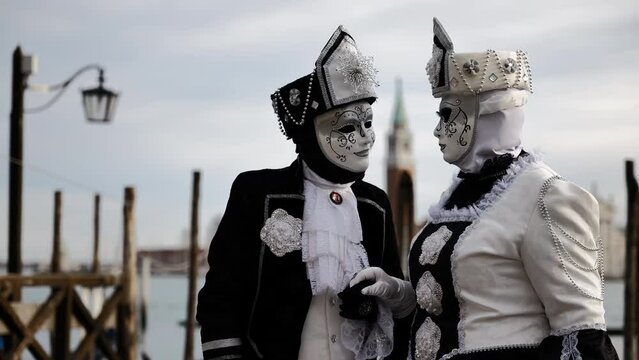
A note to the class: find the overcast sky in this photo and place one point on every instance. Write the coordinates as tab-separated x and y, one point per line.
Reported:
195	79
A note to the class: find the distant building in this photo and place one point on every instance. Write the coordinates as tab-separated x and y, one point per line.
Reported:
400	175
171	260
613	237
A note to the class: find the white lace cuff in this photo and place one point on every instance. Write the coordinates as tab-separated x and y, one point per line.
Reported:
369	340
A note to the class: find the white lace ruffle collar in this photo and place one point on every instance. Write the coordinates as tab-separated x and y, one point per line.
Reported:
438	214
331	234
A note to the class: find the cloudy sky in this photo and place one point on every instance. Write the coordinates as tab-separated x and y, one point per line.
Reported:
195	79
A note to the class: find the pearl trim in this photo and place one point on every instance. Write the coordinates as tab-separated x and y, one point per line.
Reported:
568	330
561	250
456	352
288	113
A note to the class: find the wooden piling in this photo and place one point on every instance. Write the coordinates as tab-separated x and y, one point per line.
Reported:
57	236
193	267
16	138
631	311
61	339
127	319
95	266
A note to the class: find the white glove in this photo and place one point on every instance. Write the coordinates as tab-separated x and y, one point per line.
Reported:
398	294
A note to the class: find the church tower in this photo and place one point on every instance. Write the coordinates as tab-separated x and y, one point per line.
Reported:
400	173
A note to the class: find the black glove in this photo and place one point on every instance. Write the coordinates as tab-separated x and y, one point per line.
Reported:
357	306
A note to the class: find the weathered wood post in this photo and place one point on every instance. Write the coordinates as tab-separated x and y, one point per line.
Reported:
631	311
57	227
144	305
95	266
127	315
18	85
61	340
193	267
57	335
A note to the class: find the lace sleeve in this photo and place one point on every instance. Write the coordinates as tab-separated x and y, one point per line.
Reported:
577	345
370	340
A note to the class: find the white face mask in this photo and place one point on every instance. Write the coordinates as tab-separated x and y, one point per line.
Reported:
345	135
456	127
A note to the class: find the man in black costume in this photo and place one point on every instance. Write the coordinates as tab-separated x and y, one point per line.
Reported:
291	239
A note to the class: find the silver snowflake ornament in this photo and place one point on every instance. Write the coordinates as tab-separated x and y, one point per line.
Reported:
358	71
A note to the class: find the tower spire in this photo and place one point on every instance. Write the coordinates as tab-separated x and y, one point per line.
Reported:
400	173
399	113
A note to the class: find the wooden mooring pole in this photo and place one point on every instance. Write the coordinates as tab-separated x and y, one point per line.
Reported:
193	267
57	229
127	315
95	266
18	85
59	341
631	311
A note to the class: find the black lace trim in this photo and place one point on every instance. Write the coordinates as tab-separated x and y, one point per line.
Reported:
473	186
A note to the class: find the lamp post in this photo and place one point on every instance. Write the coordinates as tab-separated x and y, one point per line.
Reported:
99	106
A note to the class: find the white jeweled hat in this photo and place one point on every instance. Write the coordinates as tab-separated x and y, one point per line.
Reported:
474	73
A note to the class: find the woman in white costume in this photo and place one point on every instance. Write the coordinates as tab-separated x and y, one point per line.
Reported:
510	263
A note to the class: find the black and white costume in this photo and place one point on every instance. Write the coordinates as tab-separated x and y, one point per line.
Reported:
291	239
510	263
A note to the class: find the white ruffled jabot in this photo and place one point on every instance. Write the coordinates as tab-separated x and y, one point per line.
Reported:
333	252
331	234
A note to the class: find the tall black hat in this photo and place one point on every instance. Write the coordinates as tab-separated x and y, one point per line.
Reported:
342	75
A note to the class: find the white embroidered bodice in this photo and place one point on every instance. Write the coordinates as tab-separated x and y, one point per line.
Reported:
514	281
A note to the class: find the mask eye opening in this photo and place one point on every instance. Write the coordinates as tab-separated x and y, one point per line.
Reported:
346	129
444	114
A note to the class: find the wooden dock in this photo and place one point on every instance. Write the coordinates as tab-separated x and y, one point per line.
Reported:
64	309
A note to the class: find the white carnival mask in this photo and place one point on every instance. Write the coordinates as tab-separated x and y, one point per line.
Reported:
456	127
345	135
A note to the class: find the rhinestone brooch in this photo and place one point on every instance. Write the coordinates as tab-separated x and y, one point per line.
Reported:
282	233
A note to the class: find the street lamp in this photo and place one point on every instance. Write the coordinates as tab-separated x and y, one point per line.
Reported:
99	103
99	107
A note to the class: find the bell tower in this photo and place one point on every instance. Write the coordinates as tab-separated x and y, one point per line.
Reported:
400	174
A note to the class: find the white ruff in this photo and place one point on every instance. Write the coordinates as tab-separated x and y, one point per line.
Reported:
331	235
333	252
438	214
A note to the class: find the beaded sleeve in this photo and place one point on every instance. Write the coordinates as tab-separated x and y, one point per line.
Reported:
562	255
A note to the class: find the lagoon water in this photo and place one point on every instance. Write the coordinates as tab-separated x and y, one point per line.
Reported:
164	338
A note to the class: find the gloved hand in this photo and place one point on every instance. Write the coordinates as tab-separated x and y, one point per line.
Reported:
398	294
357	306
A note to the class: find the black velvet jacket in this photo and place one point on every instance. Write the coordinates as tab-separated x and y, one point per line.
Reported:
254	303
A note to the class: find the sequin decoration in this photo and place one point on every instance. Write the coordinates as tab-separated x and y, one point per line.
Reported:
432	245
282	233
358	71
294	97
429	294
510	65
427	340
471	67
434	66
493	77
